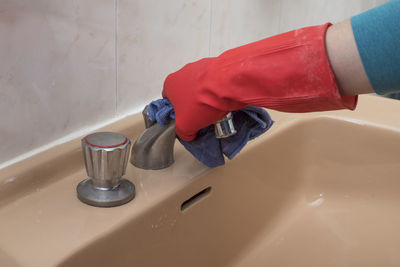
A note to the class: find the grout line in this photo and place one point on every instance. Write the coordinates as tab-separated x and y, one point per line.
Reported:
209	30
116	55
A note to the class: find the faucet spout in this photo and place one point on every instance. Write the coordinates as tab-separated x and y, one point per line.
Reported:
154	149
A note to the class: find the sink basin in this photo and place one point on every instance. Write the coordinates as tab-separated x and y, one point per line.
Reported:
316	190
324	192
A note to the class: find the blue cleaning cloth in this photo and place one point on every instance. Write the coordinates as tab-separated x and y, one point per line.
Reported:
250	122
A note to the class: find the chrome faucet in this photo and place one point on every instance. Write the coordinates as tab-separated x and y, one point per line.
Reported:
154	149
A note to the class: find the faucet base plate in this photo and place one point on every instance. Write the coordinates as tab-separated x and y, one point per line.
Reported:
100	197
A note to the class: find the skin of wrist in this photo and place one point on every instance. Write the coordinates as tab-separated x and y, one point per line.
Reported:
345	60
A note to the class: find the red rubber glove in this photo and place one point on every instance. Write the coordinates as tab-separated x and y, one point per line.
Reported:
289	72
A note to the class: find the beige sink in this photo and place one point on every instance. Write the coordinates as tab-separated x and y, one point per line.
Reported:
318	189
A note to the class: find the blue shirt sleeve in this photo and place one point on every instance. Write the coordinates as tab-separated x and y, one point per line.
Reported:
377	34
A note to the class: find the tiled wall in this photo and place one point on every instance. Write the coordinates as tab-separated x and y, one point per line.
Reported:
67	66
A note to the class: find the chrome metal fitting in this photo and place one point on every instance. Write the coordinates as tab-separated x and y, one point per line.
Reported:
106	156
224	127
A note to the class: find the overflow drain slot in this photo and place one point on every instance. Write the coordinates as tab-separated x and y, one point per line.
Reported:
195	198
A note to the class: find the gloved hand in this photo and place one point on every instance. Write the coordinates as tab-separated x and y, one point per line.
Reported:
289	72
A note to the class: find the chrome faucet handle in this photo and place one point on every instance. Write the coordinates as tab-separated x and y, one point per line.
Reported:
106	156
224	127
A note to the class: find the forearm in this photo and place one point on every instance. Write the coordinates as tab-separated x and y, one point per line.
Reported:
345	60
364	51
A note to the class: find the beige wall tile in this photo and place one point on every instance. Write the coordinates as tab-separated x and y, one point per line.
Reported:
156	38
301	13
57	70
238	22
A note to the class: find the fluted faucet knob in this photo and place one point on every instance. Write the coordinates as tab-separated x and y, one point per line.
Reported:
106	157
